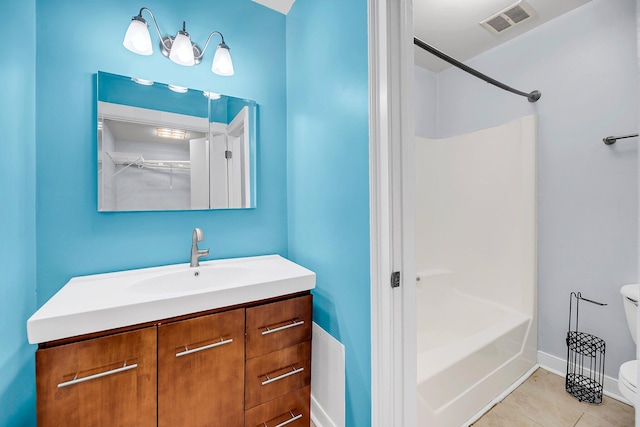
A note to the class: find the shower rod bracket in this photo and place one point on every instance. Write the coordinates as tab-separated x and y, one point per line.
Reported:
534	96
531	96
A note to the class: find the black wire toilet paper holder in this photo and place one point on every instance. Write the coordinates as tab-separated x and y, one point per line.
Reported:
585	358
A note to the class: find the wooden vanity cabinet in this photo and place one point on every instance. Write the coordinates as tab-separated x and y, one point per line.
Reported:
249	365
201	371
108	381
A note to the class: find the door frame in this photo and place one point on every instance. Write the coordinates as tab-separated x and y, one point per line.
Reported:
392	221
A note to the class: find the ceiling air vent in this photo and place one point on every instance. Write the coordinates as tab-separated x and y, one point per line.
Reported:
509	17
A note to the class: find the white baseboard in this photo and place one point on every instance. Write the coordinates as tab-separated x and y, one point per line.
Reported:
558	366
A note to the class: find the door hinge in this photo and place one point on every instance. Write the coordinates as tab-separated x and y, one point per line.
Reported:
395	279
228	154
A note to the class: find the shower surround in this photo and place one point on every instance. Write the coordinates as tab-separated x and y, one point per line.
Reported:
477	268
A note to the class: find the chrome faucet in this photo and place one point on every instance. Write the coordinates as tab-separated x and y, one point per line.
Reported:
196	254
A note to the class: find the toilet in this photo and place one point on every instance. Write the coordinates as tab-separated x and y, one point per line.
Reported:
628	375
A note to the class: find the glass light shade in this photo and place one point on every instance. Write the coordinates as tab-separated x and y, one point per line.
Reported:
222	64
143	82
178	89
137	38
182	50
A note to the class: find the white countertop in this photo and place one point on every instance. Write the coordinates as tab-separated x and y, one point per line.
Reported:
101	302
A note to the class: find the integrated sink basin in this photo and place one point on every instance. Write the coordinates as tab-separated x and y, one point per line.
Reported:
192	279
101	302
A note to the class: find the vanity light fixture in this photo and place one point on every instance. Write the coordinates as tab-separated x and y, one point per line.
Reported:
179	49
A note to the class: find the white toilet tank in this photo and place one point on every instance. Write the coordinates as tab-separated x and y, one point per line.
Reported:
631	294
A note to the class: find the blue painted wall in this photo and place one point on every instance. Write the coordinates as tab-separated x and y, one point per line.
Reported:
328	176
17	213
73	238
327	162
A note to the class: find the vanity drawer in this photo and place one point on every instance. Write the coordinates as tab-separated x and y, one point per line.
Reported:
277	325
277	373
291	410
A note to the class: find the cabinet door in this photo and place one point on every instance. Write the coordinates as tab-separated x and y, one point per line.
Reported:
109	381
201	371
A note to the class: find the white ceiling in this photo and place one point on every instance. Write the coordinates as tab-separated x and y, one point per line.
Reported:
452	26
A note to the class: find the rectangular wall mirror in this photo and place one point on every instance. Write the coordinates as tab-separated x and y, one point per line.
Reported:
166	147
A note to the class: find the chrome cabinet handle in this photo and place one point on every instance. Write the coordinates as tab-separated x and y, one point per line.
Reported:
292	419
279	377
77	380
281	328
205	347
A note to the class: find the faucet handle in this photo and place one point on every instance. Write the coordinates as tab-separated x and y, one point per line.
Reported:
203	252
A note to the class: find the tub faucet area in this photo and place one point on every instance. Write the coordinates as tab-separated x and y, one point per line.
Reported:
196	254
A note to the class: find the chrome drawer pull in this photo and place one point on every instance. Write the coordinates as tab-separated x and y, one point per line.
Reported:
77	380
293	324
279	377
293	418
204	347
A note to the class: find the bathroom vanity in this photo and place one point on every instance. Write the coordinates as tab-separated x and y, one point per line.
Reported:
241	364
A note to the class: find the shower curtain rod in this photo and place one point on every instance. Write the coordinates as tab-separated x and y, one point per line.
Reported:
610	140
532	97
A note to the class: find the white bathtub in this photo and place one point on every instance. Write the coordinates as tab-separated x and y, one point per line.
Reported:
469	351
475	217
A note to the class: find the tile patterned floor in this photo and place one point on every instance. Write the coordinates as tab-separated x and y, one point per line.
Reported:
541	401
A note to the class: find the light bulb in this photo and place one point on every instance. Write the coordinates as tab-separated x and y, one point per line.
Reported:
137	38
182	50
222	64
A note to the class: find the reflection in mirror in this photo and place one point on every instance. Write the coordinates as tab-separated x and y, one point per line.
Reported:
166	147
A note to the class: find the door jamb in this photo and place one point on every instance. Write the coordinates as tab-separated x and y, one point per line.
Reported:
393	335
